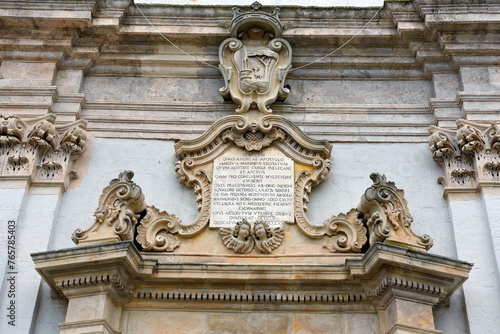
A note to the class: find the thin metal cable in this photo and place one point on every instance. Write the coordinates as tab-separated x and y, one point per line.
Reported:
340	47
175	46
291	70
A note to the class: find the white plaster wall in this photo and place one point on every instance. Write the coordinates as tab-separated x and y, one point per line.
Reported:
474	244
34	230
153	163
11	201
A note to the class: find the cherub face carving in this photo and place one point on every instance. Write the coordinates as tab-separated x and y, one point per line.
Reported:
244	230
260	230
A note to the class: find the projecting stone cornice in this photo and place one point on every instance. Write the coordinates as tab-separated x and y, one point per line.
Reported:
134	277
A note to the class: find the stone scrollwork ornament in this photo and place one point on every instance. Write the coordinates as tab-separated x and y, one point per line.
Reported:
117	214
387	217
154	231
254	61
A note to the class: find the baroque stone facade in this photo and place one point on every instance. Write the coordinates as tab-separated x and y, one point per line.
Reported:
93	90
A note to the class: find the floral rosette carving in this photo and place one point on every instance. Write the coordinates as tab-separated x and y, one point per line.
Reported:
117	214
154	231
387	217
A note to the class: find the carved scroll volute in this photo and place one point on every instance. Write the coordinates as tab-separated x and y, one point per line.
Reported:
117	214
342	233
200	180
387	216
12	133
255	61
12	130
154	231
346	233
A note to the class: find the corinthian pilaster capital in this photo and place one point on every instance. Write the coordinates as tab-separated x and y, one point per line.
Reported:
469	155
39	151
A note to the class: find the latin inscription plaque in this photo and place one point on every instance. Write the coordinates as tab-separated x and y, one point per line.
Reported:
252	185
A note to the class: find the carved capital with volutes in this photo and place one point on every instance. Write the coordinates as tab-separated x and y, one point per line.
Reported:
40	151
469	155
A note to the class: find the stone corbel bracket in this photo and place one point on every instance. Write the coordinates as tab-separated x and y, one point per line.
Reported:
386	214
470	155
39	151
117	213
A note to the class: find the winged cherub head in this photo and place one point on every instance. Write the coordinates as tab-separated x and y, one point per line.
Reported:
242	229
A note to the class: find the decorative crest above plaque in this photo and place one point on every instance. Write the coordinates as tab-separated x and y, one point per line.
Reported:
255	60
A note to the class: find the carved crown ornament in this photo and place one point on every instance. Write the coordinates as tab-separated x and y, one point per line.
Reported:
40	151
470	155
252	173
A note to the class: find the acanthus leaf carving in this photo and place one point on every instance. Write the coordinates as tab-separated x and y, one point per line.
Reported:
44	134
117	213
386	214
154	231
473	156
37	153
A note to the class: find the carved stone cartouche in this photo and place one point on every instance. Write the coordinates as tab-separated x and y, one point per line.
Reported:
254	61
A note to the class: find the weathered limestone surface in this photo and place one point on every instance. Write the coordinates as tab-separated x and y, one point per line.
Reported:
99	63
377	291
